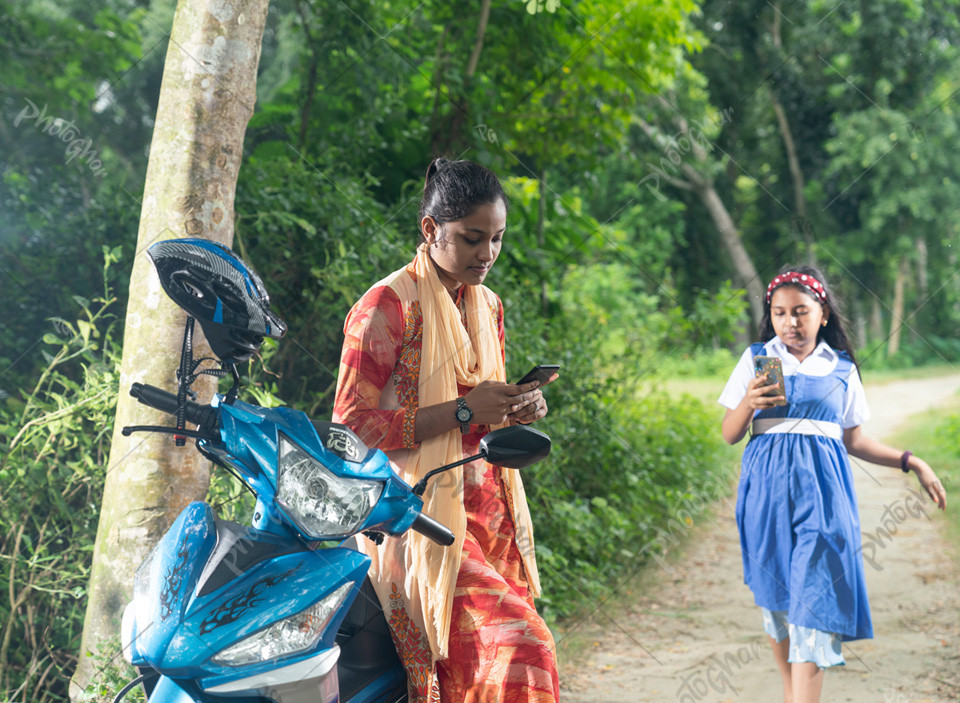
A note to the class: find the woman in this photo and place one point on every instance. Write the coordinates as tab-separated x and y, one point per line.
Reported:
422	378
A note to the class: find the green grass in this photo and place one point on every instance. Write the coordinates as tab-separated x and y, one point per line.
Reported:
881	376
934	436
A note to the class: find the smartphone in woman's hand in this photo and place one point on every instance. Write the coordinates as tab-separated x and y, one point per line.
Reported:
773	368
541	373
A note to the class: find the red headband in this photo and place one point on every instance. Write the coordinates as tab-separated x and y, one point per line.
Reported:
804	279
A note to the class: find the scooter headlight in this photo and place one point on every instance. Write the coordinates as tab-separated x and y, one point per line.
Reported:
320	502
292	635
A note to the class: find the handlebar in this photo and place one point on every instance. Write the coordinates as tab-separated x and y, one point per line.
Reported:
428	527
194	413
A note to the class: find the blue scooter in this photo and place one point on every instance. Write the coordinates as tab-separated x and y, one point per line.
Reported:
263	612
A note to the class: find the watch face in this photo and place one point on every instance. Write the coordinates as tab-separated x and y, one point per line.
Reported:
464	414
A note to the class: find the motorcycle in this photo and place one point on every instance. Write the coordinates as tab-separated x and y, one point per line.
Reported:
269	612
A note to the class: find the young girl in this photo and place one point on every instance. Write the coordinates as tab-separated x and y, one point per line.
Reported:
422	378
796	507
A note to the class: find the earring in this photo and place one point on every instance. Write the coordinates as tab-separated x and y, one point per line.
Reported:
823	324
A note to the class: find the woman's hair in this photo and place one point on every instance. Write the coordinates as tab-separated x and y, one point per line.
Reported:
455	189
833	333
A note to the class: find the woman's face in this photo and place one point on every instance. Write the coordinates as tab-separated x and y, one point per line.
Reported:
797	318
464	251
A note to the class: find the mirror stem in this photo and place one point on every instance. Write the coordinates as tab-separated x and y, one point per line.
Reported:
422	485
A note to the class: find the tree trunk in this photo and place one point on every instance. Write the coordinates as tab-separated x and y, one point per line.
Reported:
456	139
541	237
793	161
702	185
876	319
923	280
896	314
730	237
206	99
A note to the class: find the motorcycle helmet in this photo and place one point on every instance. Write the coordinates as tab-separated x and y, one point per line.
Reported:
221	292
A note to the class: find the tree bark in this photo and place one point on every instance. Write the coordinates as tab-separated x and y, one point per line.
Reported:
793	161
730	236
541	237
896	313
876	319
702	185
461	104
206	99
923	257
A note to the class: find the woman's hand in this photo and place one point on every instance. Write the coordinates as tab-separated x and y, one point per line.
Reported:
493	402
756	398
535	409
928	479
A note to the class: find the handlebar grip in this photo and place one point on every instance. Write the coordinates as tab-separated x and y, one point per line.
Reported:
428	527
200	415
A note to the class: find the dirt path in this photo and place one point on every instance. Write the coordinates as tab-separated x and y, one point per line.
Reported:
692	633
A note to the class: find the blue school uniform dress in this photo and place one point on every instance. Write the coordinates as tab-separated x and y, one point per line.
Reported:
796	507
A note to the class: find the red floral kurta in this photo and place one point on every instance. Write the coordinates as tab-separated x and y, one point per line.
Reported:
500	650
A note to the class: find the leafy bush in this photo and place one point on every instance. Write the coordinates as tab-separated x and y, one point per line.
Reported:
54	440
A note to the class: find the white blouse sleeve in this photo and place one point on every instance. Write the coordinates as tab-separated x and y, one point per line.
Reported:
736	387
855	410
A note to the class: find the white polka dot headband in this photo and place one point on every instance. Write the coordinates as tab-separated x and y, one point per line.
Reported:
804	279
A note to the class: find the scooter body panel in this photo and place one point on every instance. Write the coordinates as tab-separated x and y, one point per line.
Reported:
179	625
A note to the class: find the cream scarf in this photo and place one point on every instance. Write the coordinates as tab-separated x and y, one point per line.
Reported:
449	354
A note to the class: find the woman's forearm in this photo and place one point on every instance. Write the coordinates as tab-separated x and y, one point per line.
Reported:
435	420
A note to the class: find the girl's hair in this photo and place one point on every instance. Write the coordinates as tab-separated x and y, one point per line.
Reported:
453	190
833	333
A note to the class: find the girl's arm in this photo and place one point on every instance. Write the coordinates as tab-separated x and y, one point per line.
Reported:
736	421
869	449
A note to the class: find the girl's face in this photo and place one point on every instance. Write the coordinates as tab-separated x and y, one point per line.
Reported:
797	318
464	251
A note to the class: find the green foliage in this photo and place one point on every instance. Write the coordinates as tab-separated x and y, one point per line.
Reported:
54	440
618	478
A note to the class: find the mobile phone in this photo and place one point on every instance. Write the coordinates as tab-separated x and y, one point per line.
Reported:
541	373
773	368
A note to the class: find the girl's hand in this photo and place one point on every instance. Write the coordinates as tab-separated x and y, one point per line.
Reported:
492	402
931	484
755	394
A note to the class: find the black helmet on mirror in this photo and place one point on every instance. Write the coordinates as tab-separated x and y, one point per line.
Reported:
221	292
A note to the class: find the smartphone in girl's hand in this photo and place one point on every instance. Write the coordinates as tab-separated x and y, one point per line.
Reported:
773	368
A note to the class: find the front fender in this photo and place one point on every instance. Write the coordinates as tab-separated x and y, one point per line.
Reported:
168	690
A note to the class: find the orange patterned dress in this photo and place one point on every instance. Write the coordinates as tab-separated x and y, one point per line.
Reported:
499	649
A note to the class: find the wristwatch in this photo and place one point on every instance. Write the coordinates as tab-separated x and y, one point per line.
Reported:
464	415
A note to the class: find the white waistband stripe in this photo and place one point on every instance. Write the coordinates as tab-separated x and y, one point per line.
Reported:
795	425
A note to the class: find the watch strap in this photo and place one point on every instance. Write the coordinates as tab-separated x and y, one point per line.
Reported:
461	406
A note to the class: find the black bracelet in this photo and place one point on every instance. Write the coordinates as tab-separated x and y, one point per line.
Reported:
904	458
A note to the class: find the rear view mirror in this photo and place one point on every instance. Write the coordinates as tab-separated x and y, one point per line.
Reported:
515	447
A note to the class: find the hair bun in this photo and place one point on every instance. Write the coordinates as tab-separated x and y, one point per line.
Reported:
434	167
